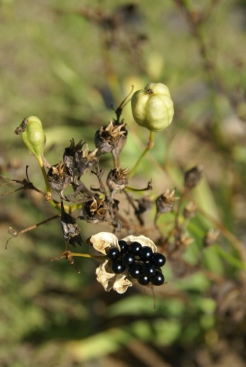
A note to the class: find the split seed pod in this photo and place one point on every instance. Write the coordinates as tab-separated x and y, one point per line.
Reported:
152	107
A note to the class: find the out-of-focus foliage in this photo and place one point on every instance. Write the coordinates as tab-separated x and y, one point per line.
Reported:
67	63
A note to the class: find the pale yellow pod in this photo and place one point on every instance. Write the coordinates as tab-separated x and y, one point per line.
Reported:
33	136
152	107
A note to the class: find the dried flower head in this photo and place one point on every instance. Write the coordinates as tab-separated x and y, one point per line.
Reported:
193	176
58	177
103	242
210	237
88	160
190	210
183	240
117	179
95	210
77	160
165	202
109	137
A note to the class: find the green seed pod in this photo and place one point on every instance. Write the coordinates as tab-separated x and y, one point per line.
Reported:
32	135
152	107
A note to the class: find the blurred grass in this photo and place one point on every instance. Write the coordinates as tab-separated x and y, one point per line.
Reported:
54	63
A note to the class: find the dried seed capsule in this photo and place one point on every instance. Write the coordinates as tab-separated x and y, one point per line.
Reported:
152	107
94	210
108	137
117	179
193	176
70	228
165	202
32	134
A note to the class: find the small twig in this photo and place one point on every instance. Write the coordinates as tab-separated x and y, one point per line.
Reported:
16	234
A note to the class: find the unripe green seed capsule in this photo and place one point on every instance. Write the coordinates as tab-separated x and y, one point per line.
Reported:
152	107
32	135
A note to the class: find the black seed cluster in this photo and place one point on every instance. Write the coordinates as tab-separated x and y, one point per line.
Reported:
141	262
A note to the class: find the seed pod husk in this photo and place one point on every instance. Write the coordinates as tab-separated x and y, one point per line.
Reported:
117	179
110	137
193	176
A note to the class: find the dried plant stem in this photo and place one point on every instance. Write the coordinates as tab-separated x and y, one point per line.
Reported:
15	233
73	254
239	246
149	146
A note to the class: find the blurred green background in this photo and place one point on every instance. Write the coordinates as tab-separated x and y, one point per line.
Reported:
67	63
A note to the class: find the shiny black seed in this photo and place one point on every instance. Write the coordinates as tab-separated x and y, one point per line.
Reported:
118	267
158	259
113	253
123	246
145	253
128	259
135	248
148	269
158	278
143	280
135	271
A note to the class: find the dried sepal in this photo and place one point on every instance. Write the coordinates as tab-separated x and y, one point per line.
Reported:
110	280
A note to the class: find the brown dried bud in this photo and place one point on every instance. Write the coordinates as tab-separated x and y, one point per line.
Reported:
94	210
70	228
210	237
110	137
165	202
117	179
193	176
190	210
